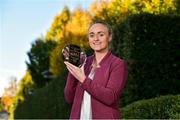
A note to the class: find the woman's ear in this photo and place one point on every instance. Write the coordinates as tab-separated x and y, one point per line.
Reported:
110	37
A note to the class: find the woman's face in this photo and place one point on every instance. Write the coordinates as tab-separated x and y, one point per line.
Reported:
99	37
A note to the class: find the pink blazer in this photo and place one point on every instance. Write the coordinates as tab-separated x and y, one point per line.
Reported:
105	88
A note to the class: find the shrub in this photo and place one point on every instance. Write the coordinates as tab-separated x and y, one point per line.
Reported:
149	43
45	103
164	107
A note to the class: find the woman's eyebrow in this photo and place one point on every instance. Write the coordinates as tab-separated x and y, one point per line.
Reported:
97	32
101	32
91	33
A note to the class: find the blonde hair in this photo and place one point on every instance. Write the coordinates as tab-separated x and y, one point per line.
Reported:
103	23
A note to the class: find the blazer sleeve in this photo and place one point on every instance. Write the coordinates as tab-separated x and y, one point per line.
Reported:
111	92
70	88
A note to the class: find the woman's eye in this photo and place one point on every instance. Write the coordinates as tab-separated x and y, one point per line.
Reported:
101	35
91	36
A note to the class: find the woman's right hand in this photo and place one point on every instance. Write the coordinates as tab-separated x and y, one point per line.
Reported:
77	72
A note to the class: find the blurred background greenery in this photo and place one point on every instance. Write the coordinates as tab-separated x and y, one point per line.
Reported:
146	35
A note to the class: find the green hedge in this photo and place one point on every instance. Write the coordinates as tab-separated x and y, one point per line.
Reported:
164	107
150	45
45	103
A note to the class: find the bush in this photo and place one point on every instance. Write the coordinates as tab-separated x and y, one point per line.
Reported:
150	45
164	107
45	103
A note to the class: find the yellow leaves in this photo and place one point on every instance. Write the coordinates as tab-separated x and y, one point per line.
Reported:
56	63
148	6
67	28
79	23
12	102
68	25
169	4
97	7
26	82
93	9
7	101
153	6
156	2
28	79
58	25
71	27
125	6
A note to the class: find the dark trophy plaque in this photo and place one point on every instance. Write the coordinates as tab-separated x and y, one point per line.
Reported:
73	54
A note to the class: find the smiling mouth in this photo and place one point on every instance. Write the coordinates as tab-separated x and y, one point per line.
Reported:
96	43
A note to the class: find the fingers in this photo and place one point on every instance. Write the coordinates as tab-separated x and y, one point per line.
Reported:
72	69
77	72
65	53
70	65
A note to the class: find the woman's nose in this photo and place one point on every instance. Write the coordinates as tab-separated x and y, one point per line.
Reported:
96	37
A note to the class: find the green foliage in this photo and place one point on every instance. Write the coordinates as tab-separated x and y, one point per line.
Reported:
45	103
150	45
70	27
153	6
56	62
26	88
39	61
116	11
163	107
177	5
1	106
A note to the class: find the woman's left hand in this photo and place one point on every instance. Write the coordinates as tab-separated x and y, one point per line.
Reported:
77	72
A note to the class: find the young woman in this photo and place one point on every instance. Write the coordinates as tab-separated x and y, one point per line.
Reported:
94	89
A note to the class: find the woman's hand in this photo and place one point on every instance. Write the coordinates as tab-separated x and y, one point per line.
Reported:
77	72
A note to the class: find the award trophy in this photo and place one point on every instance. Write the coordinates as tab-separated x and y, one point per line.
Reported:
74	54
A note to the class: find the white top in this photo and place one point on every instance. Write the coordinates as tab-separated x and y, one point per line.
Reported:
86	112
